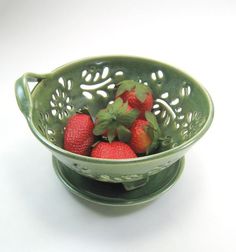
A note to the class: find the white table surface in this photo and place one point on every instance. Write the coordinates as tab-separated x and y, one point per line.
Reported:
198	214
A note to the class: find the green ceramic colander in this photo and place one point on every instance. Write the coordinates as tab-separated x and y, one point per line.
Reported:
183	108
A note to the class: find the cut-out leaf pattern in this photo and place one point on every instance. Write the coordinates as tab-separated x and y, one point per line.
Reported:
60	102
44	127
96	84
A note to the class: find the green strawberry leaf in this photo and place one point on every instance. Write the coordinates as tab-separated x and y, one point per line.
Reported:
115	107
124	86
153	131
111	134
124	134
127	118
154	136
141	92
103	115
151	118
150	131
101	127
123	109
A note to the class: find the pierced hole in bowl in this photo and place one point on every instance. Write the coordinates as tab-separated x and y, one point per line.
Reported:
88	77
58	93
111	86
87	95
66	113
185	90
96	77
60	116
160	74
53	97
166	121
54	112
177	125
155	106
46	116
84	72
102	93
181	117
165	95
105	72
184	132
163	114
119	73
95	86
157	112
153	76
69	107
189	117
175	101
52	104
188	90
69	84
50	132
61	81
178	110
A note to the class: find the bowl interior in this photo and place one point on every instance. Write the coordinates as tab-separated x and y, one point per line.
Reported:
181	106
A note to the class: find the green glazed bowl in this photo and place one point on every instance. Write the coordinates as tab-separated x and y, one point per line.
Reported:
183	108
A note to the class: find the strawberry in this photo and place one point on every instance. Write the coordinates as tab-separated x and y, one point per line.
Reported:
137	95
144	134
140	139
115	120
78	134
114	150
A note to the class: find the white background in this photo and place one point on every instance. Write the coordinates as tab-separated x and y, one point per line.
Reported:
198	214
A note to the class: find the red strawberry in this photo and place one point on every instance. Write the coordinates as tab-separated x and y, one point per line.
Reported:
137	95
78	135
115	119
140	140
144	134
114	150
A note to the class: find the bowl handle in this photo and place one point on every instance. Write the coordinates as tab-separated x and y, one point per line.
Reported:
23	94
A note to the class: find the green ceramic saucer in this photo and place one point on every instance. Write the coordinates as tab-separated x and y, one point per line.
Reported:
114	193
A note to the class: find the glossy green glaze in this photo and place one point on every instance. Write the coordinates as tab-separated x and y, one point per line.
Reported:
114	193
183	108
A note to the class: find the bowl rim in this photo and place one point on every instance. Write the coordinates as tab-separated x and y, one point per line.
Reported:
158	156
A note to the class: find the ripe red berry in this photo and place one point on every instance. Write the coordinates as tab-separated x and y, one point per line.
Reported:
114	150
140	140
134	102
145	134
78	134
138	96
